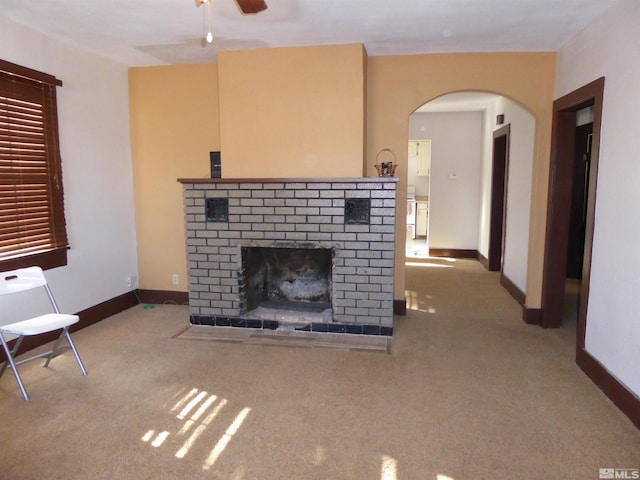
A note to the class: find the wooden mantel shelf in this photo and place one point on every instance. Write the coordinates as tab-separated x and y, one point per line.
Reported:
288	180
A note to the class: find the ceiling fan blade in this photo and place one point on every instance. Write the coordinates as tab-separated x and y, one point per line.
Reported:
251	6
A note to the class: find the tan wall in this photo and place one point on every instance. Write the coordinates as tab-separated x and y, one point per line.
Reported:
292	112
175	122
398	85
174	126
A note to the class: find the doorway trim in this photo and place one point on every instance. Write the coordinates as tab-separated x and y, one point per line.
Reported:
556	238
559	203
498	209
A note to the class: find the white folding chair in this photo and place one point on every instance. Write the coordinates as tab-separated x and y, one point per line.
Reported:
21	280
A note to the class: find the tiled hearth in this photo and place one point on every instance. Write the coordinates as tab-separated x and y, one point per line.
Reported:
234	224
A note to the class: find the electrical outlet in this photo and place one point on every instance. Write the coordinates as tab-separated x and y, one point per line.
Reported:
129	281
175	279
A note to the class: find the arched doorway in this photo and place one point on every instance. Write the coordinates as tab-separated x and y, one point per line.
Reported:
461	127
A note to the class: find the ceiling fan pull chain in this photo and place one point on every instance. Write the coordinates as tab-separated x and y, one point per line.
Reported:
209	34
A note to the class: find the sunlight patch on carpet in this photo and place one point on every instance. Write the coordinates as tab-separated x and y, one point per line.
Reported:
426	264
186	446
416	301
196	416
320	455
226	438
196	410
389	468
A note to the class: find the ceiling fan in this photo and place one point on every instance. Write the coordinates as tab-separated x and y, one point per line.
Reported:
251	6
245	6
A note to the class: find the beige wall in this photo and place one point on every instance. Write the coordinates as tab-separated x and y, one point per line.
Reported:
398	85
292	112
174	126
300	112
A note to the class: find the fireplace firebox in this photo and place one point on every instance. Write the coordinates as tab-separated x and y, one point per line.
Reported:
296	279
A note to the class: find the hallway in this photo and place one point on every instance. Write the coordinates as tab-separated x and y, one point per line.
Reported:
509	383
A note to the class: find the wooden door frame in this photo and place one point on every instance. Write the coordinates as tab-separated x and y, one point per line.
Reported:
559	204
498	208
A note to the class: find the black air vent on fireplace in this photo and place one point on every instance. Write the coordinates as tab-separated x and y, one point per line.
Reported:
357	211
217	209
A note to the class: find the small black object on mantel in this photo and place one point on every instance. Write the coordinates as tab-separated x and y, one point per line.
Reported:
500	119
216	164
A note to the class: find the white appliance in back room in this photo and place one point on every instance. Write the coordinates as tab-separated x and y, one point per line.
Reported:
411	215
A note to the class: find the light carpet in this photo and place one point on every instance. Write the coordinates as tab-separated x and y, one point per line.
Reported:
467	392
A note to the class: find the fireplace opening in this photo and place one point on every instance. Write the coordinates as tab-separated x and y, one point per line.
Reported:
287	284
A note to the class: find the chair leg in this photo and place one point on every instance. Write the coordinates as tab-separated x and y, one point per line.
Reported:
9	355
15	348
65	333
75	353
54	349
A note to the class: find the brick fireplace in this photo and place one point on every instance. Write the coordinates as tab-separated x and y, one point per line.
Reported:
305	254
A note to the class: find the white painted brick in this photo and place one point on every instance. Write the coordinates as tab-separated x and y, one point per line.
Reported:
296	235
318	219
239	194
295	186
263	194
367	287
251	186
307	211
252	235
285	211
318	237
307	194
284	194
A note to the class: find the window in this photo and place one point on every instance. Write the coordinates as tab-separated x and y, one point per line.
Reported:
32	224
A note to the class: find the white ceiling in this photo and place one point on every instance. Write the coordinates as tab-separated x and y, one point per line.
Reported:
460	101
159	32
